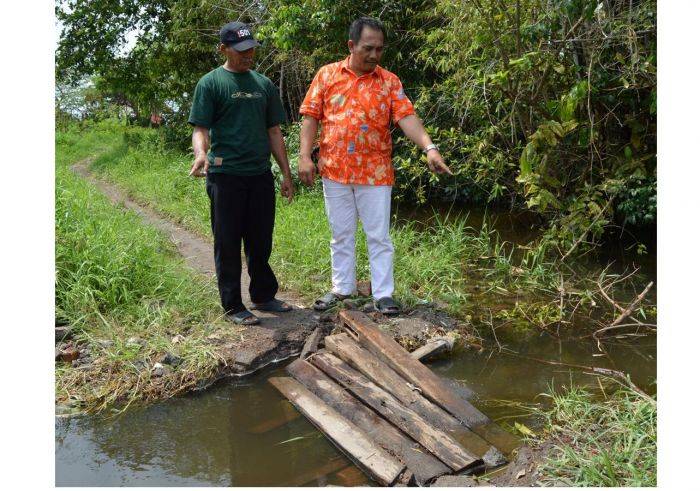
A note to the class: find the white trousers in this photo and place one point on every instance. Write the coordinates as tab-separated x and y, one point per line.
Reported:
344	203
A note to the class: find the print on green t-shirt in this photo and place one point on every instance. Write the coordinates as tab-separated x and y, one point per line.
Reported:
238	109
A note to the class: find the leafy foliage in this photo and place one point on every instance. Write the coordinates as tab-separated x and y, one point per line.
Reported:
549	104
542	104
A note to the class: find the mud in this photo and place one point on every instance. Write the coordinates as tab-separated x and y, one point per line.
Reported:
523	471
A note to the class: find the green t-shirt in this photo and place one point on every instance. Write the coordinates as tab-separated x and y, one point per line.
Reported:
238	108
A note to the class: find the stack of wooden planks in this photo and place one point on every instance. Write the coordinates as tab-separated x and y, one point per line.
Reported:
390	414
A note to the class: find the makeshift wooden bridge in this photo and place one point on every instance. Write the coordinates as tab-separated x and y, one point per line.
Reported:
390	414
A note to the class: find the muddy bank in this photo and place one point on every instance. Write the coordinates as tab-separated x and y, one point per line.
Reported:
240	351
522	471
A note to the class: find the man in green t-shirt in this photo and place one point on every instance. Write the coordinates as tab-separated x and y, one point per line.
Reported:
236	113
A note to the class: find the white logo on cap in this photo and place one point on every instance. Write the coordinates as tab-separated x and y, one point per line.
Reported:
243	32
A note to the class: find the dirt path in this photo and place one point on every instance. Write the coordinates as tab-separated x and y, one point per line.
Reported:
278	336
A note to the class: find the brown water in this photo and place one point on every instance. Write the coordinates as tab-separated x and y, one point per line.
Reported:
242	433
237	433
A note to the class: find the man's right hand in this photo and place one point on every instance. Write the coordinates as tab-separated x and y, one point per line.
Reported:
200	166
306	170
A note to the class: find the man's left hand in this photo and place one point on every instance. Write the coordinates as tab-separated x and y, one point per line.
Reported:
287	188
436	163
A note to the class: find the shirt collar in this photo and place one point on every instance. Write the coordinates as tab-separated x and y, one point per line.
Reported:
345	65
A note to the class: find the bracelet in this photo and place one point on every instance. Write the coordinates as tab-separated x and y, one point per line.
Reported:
430	147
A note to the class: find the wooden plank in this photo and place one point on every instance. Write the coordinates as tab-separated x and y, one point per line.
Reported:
312	477
385	377
287	414
311	344
389	351
432	348
370	457
436	441
349	476
424	465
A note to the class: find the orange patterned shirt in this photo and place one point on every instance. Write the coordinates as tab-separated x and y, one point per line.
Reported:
354	113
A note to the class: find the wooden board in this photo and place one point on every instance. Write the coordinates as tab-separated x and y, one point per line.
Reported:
288	413
389	351
350	476
423	465
311	344
312	477
436	441
369	456
431	348
385	377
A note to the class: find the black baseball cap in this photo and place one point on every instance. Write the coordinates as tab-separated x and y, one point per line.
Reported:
238	36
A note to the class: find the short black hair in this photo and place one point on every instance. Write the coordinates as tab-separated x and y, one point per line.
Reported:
355	31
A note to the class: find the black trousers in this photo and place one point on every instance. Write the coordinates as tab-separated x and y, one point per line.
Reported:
242	208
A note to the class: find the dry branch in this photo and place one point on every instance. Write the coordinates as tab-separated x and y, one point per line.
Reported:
633	306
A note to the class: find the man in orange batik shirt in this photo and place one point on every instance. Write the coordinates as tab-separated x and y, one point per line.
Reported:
356	100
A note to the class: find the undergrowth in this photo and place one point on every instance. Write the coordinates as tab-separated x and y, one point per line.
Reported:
608	441
446	262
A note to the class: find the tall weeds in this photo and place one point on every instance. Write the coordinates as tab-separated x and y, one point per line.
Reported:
609	442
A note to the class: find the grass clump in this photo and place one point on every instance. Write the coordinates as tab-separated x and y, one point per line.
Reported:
609	442
126	294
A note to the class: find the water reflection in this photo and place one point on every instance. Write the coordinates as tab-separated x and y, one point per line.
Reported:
202	440
512	375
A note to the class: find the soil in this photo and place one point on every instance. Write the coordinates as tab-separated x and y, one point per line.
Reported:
523	470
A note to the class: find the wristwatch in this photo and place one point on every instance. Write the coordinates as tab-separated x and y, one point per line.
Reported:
430	147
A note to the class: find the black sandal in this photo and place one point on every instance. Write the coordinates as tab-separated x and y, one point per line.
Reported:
273	305
387	306
243	318
328	300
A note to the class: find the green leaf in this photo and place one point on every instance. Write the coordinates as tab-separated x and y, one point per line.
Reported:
291	440
524	429
525	163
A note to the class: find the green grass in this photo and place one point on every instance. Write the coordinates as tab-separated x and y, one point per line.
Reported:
439	263
470	272
116	279
608	442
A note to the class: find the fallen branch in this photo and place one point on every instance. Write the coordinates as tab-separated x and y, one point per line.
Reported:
619	326
608	372
607	297
617	306
633	306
